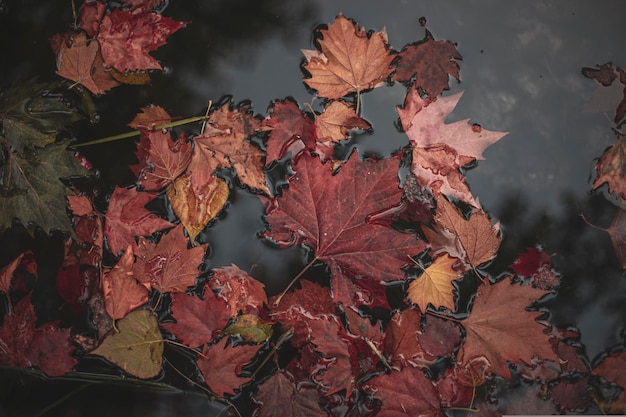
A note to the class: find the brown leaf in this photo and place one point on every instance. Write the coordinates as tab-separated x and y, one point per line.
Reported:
478	237
337	119
500	329
350	60
221	365
611	168
6	273
196	210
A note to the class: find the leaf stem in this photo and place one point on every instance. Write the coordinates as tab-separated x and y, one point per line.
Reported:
137	132
293	281
62	400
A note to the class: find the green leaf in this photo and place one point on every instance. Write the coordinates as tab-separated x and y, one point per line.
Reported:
30	185
137	346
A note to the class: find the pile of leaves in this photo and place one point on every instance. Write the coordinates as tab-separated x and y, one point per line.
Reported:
339	340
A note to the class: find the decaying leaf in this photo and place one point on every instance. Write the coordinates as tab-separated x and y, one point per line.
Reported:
136	346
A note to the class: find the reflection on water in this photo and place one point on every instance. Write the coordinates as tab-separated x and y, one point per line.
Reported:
520	73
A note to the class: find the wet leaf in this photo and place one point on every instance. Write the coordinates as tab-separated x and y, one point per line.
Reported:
31	187
137	345
241	292
350	61
611	168
336	373
16	333
196	209
281	396
169	266
126	38
127	217
434	285
291	130
250	328
440	149
336	121
198	321
329	214
500	329
6	273
51	350
221	365
122	293
478	237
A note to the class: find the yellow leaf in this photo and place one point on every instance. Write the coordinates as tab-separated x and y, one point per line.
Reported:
434	286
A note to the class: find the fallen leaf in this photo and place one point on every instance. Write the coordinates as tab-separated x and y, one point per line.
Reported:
122	293
572	395
90	16
137	345
440	149
16	333
238	289
430	62
290	130
500	329
407	392
221	365
401	338
336	121
612	368
611	168
196	211
434	285
227	146
161	159
198	321
32	189
126	38
336	370
76	63
606	75
6	273
350	61
479	238
329	213
250	328
280	396
149	118
169	266
51	350
127	217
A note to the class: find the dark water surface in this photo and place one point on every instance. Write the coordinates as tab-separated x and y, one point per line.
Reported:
521	73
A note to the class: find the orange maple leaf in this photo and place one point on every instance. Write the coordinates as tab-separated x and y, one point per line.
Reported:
434	286
350	60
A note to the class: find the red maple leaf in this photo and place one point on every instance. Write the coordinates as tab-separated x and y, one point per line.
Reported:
161	159
221	365
51	350
91	14
169	266
281	396
430	62
440	149
405	393
127	217
329	213
126	38
198	321
240	291
290	130
122	293
500	329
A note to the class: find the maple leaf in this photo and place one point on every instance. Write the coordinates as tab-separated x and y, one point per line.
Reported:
136	346
149	118
290	130
16	333
198	321
479	239
196	210
405	393
606	75
611	168
32	189
91	14
434	286
122	293
571	395
239	290
127	217
440	149
250	328
281	396
430	62
51	349
356	290
161	159
350	60
612	368
329	213
227	146
168	266
221	365
401	344
77	62
336	373
500	329
126	38
336	120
